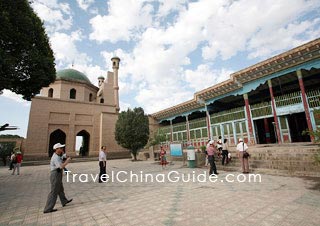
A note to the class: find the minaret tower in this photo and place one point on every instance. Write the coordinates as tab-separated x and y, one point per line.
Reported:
115	66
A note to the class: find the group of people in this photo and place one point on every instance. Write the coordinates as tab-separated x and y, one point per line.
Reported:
15	162
220	148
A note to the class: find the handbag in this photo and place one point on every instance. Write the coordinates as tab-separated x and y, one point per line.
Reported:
245	153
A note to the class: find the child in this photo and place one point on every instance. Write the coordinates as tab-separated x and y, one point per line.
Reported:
229	157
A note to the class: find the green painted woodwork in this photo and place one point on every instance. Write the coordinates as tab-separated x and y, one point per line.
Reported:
261	109
288	99
229	115
314	98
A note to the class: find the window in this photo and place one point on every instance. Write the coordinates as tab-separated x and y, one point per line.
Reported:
73	93
50	92
90	97
101	101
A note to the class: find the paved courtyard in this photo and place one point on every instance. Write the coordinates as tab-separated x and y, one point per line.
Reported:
277	200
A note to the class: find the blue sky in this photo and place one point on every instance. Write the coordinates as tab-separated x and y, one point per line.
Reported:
169	49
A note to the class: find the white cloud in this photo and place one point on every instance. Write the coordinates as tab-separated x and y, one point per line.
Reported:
168	6
125	19
265	44
85	4
124	106
57	16
66	51
235	26
15	97
204	77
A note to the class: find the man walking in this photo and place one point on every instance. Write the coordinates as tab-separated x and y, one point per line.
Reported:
102	162
211	150
56	167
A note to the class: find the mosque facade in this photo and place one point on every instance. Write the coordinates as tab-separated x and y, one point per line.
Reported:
72	108
273	101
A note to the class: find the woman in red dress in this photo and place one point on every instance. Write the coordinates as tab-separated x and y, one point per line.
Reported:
163	159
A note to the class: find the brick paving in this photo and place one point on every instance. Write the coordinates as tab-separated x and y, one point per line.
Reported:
277	200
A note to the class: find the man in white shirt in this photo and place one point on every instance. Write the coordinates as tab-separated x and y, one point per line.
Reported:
241	147
56	167
102	162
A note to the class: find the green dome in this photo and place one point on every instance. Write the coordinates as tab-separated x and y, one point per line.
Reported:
73	75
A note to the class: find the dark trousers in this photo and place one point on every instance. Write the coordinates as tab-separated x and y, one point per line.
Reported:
56	190
11	165
213	168
103	170
225	156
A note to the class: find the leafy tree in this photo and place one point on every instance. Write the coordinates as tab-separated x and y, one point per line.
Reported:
5	149
26	58
157	139
132	130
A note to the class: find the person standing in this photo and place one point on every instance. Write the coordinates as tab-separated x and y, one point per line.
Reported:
211	150
102	162
163	158
225	151
56	168
12	160
219	146
17	163
206	152
241	147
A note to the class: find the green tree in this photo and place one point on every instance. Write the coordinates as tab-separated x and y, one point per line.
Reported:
26	58
132	130
157	139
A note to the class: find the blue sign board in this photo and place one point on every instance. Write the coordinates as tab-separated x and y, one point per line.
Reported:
176	149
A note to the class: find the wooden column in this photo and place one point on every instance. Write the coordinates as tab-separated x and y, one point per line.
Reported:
208	123
305	102
188	129
246	101
273	104
171	131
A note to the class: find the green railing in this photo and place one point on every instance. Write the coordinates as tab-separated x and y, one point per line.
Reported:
197	123
179	127
261	109
229	115
314	98
288	99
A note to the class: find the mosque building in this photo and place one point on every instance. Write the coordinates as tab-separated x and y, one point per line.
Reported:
72	107
273	101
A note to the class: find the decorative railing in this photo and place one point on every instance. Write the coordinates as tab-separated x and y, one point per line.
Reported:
314	98
179	127
197	123
288	99
261	109
228	115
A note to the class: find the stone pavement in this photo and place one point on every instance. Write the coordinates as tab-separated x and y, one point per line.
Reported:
277	200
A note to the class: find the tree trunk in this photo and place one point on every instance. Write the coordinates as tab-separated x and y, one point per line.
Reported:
134	155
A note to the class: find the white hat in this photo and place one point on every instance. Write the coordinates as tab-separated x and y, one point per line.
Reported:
211	142
240	140
58	145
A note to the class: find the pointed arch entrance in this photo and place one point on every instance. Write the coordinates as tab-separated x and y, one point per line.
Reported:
57	136
84	142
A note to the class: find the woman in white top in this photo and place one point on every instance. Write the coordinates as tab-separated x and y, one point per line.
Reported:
225	151
241	147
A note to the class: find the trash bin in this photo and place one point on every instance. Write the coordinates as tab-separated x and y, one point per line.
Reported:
191	156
